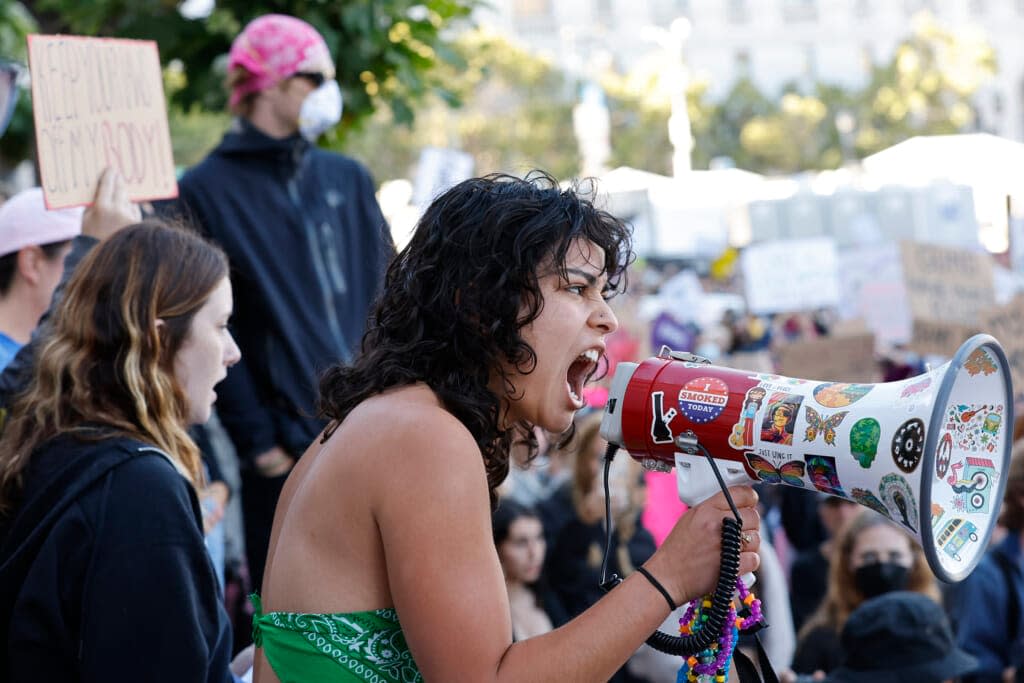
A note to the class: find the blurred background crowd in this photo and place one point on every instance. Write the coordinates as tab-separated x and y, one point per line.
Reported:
827	189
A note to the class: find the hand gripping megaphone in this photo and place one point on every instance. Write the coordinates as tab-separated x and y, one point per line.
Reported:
928	452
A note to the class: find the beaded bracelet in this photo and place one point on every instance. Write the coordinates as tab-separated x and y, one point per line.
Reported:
713	663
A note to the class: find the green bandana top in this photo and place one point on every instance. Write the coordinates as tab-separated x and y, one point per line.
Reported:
334	648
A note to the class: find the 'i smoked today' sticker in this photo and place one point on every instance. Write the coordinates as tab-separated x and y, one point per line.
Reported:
703	399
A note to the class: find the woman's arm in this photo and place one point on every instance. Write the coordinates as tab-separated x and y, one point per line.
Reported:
432	510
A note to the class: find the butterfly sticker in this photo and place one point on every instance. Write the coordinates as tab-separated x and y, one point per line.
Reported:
791	472
815	424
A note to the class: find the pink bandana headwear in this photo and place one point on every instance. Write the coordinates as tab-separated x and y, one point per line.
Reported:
274	47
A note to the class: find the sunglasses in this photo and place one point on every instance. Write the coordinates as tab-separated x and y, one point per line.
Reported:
314	77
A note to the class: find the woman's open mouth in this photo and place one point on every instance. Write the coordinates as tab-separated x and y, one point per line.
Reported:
578	373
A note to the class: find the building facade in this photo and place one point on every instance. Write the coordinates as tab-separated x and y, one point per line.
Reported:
773	42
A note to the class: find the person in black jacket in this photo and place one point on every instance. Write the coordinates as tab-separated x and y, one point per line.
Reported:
103	570
987	605
308	246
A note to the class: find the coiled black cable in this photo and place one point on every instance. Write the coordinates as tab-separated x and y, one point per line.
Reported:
685	646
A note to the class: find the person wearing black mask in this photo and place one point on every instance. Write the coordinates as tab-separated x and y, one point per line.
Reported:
872	556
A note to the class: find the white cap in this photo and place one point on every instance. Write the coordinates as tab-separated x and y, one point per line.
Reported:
25	222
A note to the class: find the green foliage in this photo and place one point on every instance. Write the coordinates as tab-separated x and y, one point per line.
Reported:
516	115
15	25
396	58
924	89
386	51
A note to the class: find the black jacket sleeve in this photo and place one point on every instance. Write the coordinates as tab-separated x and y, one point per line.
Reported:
151	606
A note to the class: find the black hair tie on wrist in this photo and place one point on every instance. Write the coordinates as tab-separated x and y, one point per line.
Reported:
661	589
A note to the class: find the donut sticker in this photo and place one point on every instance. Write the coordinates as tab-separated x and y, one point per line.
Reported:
898	497
840	394
864	437
908	445
703	399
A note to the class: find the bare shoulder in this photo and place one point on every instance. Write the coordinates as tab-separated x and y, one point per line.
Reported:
406	429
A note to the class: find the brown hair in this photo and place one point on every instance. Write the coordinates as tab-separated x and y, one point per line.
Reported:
107	368
842	596
1012	514
585	481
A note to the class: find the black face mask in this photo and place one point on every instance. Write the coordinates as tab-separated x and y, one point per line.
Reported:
880	577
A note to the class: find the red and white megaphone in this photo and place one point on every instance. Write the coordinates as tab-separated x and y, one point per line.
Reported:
928	452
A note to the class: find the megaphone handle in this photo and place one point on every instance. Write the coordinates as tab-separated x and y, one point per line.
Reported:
683	646
729	569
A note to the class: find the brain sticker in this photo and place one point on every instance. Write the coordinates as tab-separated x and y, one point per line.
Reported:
864	436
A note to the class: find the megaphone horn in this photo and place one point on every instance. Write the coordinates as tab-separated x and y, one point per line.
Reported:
928	452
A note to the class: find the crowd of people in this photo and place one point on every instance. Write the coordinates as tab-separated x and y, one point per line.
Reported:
411	436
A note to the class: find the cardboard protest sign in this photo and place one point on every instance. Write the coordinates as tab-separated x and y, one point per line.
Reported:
791	275
939	337
754	361
1006	324
849	358
99	102
947	289
947	283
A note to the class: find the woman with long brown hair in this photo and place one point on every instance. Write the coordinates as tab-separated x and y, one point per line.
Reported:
103	568
382	564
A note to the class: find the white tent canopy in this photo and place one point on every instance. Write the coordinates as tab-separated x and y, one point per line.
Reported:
972	159
993	167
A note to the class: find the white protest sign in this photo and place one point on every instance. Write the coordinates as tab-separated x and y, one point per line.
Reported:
871	282
99	102
438	170
791	275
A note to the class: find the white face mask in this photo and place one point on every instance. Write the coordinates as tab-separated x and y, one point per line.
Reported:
321	110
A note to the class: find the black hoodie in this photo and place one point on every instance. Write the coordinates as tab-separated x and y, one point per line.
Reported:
308	246
104	575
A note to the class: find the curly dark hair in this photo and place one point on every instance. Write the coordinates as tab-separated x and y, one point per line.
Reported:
455	299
